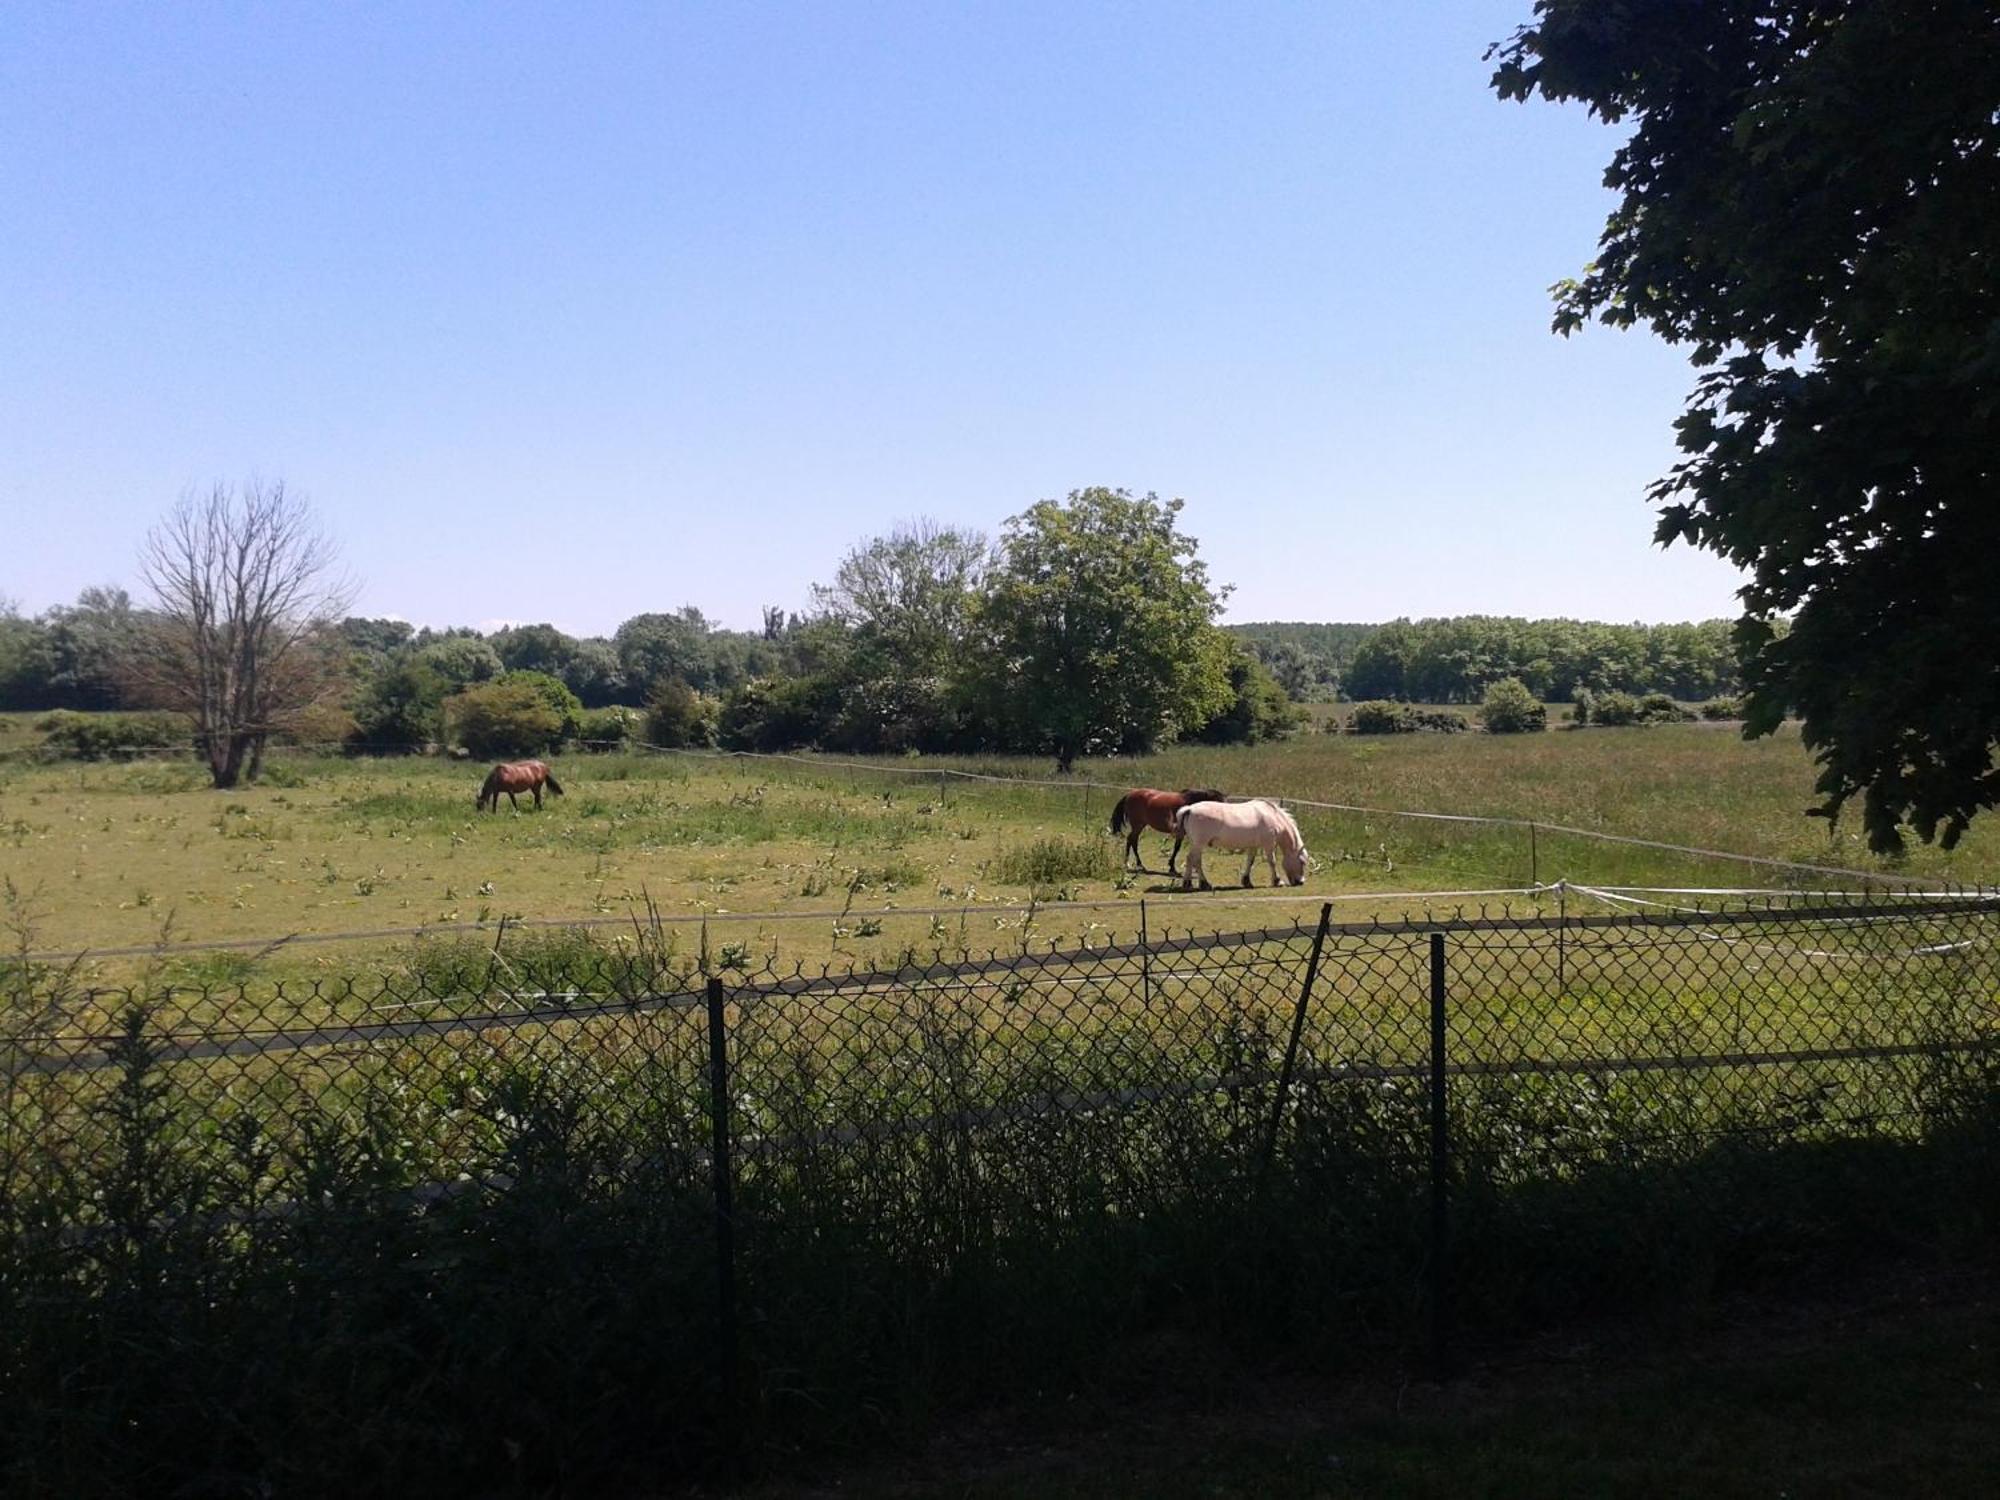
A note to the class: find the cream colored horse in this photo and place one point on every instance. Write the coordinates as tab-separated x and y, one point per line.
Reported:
1256	826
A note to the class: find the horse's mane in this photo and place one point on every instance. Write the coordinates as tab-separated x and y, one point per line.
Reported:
1202	794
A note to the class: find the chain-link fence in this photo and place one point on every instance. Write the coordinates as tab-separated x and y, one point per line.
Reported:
578	1179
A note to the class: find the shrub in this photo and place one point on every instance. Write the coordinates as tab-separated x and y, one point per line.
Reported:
1439	721
400	712
318	724
96	736
1579	711
1722	708
564	704
505	718
1658	708
1614	708
1509	708
678	718
779	713
603	730
1381	717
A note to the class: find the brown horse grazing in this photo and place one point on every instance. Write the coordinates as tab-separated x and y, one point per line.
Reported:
516	776
1145	808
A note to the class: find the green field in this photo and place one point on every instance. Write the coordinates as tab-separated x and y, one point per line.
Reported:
110	855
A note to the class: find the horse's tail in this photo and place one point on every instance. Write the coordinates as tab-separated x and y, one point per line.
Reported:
550	777
1118	816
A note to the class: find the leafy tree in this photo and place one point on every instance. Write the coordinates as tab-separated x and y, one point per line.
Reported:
1810	203
1258	709
89	649
460	661
652	648
1102	621
677	717
401	708
910	595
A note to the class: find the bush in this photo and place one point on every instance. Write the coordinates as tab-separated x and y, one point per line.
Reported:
1579	711
317	724
1381	717
1658	708
553	691
1439	721
780	713
1509	708
95	736
679	718
1614	708
400	712
505	718
1722	708
604	730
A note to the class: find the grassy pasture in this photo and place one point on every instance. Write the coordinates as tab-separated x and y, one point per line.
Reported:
107	855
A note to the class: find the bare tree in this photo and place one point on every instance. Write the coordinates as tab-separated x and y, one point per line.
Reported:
246	592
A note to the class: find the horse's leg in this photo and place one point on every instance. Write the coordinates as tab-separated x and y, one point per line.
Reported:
516	801
1249	865
538	796
1132	848
1174	853
1271	859
1192	868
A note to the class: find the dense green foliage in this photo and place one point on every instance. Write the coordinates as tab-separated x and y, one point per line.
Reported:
506	718
1811	205
1310	661
1453	660
1102	622
1509	708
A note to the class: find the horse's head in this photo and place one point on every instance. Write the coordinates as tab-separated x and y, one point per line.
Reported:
1295	864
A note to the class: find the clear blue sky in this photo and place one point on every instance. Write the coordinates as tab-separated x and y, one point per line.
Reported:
573	311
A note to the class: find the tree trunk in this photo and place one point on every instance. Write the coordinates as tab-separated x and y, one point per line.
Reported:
225	759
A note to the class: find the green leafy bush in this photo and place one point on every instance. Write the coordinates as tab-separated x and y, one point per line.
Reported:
1509	708
1658	708
96	736
553	691
1439	721
1614	708
400	711
505	718
679	718
604	730
1381	717
1722	708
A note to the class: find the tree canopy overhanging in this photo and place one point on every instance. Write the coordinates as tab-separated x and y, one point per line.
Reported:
1810	202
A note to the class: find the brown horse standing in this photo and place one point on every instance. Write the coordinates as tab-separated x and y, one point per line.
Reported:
1145	808
516	776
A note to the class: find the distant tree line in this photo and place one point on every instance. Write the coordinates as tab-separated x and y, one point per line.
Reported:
1455	660
1088	628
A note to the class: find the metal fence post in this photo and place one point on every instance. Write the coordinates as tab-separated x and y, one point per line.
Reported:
1292	1048
1145	960
1439	1277
721	1174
